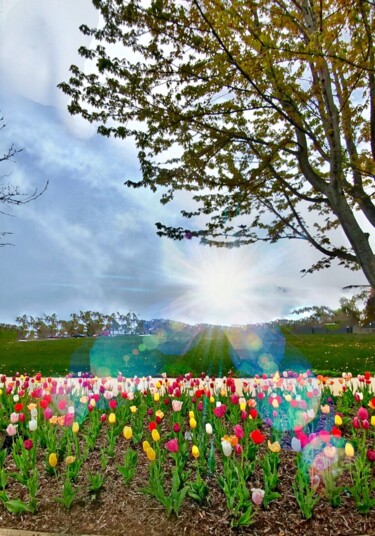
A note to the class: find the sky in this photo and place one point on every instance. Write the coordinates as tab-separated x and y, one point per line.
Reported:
90	243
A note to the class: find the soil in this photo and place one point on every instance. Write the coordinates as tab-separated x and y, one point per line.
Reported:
120	509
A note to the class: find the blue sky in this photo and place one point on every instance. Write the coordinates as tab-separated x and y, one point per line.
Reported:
90	243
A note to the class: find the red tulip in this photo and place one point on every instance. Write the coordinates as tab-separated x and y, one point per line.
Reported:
371	455
28	444
257	437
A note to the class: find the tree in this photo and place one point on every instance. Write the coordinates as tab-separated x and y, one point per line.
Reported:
269	105
11	195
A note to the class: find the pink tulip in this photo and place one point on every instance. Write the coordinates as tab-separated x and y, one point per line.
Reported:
48	414
362	414
257	496
176	405
172	445
238	431
14	417
11	429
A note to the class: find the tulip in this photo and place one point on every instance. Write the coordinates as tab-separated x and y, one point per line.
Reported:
195	451
133	409
155	435
338	420
176	405
192	423
75	427
373	420
257	495
47	414
103	417
365	424
362	414
238	431
349	450
14	418
325	409
113	404
127	432
370	455
151	455
112	418
356	423
227	448
257	437
70	459
176	427
172	445
28	444
146	445
33	425
238	449
156	399
274	447
52	459
296	444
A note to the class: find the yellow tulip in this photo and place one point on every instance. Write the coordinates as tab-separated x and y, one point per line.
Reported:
133	409
156	397
338	420
243	406
112	418
52	459
195	451
145	445
288	398
274	447
127	432
151	455
155	435
192	423
84	399
275	403
158	385
191	414
70	459
349	450
92	402
75	427
159	414
373	420
212	399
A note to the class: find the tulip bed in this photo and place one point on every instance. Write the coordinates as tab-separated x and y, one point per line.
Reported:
268	455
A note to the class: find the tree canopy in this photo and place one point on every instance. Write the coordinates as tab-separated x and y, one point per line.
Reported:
263	109
11	194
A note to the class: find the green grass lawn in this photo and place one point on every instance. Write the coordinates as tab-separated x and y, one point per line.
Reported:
212	353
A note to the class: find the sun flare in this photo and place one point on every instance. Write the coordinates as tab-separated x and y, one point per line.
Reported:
222	286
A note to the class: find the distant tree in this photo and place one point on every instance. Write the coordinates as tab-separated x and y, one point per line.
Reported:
11	195
265	110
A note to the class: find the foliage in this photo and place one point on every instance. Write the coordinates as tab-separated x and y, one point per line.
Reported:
263	110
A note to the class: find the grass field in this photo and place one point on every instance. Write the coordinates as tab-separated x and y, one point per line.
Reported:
212	352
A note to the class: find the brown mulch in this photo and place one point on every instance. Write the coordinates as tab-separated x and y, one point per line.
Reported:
118	509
